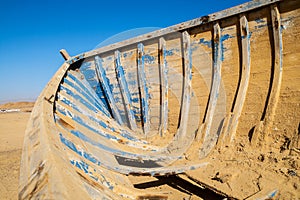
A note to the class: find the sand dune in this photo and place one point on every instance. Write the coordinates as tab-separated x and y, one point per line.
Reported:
12	128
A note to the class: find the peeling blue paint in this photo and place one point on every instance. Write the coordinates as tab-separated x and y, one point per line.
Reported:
207	43
149	59
132	82
121	169
84	167
75	59
168	52
247	36
261	26
194	47
83	93
259	20
127	54
226	37
135	100
143	88
90	76
107	90
125	91
84	102
123	133
81	122
222	39
131	75
81	85
171	52
105	148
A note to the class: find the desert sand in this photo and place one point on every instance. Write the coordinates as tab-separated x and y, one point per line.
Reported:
12	128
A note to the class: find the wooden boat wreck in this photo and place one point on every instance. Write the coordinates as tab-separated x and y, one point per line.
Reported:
206	109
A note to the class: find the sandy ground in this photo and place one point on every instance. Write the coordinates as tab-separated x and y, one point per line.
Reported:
12	128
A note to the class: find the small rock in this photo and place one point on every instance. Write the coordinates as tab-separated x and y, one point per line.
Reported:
292	172
295	186
224	178
261	157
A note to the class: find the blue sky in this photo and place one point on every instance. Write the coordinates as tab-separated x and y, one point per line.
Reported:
33	32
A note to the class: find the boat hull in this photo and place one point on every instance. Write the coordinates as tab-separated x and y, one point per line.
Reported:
208	108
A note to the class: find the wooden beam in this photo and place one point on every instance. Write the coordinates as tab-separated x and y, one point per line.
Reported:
264	126
163	67
185	106
125	91
143	89
185	25
107	91
214	93
243	86
64	54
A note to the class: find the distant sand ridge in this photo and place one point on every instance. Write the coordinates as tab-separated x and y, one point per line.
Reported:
23	106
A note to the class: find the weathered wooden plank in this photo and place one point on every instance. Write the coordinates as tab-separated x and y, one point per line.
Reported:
78	79
69	83
185	25
104	145
163	66
88	70
64	54
89	105
125	91
105	128
143	89
123	169
243	85
107	91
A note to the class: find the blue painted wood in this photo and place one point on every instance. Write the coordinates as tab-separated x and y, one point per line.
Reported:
104	123
164	86
88	70
143	89
88	105
107	91
105	143
125	91
78	78
123	169
73	85
106	148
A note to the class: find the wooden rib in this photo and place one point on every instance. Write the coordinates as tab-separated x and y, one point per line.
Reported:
143	89
265	125
80	80
164	86
185	106
107	91
214	93
245	42
125	91
276	85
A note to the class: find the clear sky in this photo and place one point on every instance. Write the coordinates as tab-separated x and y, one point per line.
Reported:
33	32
